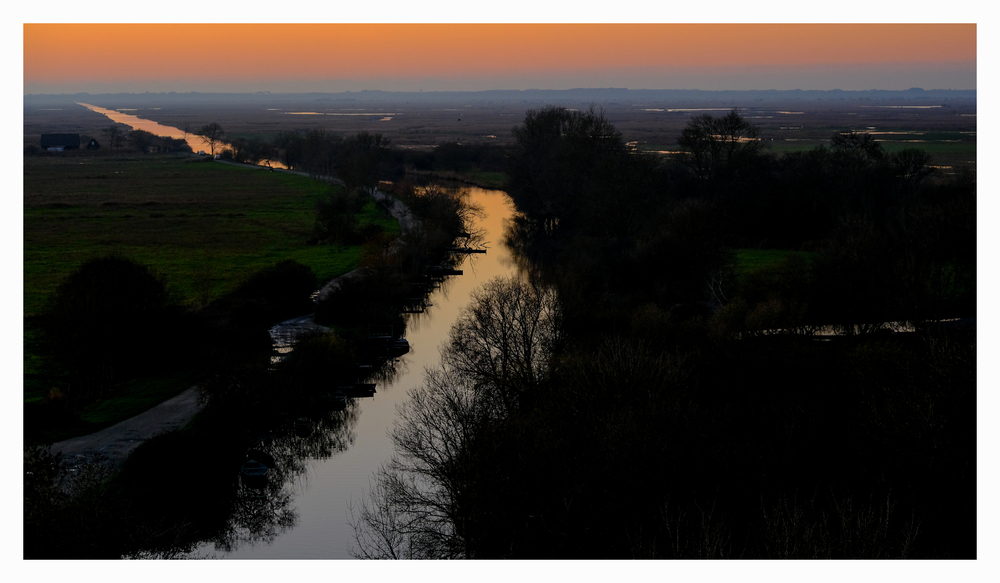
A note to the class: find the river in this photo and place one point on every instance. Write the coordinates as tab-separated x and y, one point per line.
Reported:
315	519
196	142
323	493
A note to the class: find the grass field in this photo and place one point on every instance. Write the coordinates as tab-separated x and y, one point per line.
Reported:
130	400
482	178
203	226
748	260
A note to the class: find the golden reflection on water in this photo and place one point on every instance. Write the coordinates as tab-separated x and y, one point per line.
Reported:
477	269
332	485
904	106
369	114
197	143
194	141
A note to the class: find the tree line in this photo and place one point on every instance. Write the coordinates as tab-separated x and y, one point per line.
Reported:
635	396
114	319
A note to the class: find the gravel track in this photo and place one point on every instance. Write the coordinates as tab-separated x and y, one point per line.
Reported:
113	444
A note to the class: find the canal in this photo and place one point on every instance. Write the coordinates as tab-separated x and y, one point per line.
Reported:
309	516
323	494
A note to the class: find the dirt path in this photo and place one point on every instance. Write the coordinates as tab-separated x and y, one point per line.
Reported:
284	334
407	222
114	443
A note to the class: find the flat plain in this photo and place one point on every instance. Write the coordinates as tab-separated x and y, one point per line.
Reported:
203	225
207	226
945	128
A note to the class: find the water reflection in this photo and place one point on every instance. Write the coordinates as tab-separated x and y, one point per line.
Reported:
262	508
195	142
305	513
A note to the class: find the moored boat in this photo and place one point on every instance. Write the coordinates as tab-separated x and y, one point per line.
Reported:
253	473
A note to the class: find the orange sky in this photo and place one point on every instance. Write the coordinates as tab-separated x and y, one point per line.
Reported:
82	57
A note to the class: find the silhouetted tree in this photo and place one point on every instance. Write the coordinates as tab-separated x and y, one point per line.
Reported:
212	133
114	135
421	501
141	140
251	150
360	161
720	147
559	158
502	341
862	175
336	215
108	319
320	151
911	167
289	146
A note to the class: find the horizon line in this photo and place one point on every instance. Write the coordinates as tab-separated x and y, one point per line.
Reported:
913	89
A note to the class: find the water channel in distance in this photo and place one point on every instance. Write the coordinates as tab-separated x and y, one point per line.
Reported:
196	142
323	494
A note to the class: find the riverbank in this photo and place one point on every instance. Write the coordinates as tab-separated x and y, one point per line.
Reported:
479	179
113	444
203	226
334	484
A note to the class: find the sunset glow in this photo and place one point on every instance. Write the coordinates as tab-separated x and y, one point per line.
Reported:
337	57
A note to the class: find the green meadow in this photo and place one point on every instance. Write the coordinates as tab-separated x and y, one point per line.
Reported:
203	226
749	260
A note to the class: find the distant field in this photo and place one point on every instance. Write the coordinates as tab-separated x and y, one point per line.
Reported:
748	260
204	226
481	178
653	124
946	146
948	130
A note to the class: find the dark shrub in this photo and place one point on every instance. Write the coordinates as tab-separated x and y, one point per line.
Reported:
276	293
335	216
108	320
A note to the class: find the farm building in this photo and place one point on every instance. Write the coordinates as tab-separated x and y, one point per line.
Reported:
93	145
60	142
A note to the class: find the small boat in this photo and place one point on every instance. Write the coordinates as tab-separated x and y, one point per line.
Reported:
253	469
442	270
263	457
398	347
253	473
359	390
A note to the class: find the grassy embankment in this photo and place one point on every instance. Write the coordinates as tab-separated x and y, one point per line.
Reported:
748	260
203	226
481	178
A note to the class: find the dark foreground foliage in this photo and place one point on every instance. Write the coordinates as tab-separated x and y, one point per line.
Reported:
184	489
688	410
